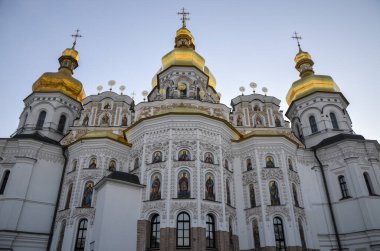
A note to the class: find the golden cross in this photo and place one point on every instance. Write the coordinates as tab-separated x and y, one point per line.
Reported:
75	38
184	17
298	38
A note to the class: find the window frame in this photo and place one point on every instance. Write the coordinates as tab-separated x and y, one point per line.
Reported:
61	123
155	231
41	120
368	182
82	230
279	234
4	181
183	229
334	121
343	187
313	124
210	231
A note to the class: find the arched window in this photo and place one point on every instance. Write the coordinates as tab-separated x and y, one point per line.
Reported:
74	167
156	157
249	164
313	124
228	192
269	162
256	233
368	183
155	232
231	234
302	235
198	93
299	131
295	196
87	194
25	118
4	181
277	122
184	185
68	196
334	122
183	230
210	231
61	124
279	233
226	164
85	121
168	92
92	163
252	198
343	186
112	166
209	158
274	194
155	187
184	155
41	120
239	121
136	164
209	187
81	235
290	164
61	235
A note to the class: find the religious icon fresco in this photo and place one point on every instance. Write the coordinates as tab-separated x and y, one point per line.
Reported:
157	157
274	196
183	185
269	161
112	166
209	158
92	163
87	194
210	188
249	164
155	187
184	155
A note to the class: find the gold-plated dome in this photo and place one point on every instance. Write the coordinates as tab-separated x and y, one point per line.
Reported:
62	81
309	82
184	54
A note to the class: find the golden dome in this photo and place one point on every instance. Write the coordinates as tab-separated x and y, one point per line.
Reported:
184	54
310	84
62	81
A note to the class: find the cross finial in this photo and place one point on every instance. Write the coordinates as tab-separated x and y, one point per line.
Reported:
184	17
75	36
133	95
298	38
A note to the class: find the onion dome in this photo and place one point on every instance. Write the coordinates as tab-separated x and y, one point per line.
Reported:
62	81
184	54
308	83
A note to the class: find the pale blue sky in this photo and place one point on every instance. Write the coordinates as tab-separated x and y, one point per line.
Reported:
242	41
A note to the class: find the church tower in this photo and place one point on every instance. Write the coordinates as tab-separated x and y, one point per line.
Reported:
55	101
317	108
32	160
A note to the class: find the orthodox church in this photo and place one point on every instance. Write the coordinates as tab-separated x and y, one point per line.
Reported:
182	171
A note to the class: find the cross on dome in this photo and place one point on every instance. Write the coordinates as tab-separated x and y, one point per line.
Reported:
184	17
298	38
75	36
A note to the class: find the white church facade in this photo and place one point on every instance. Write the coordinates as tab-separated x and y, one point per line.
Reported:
182	171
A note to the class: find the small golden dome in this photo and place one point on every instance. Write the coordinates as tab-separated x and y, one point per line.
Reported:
310	84
62	81
69	52
184	54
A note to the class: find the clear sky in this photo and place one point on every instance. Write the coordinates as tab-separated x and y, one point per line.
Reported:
241	40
